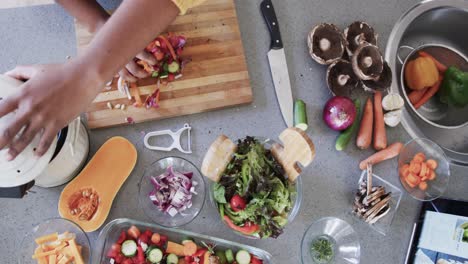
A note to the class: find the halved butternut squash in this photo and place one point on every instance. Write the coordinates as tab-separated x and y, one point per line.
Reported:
88	199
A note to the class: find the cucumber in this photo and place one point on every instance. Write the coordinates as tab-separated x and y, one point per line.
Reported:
155	74
155	255
229	256
164	75
221	210
129	248
186	240
345	137
221	257
300	115
243	257
172	259
173	67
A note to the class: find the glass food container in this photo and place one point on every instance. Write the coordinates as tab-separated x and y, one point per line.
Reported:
112	230
296	197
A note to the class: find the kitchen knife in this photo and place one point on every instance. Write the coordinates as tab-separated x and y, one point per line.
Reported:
278	65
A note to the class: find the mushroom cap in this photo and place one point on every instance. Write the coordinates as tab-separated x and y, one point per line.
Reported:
326	43
383	82
367	62
341	79
357	33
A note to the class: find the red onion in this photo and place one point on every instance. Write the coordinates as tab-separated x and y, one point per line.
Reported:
339	113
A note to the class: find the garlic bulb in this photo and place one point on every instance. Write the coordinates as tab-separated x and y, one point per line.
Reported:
392	101
393	118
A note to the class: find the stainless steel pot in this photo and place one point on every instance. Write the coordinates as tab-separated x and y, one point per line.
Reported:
434	112
443	22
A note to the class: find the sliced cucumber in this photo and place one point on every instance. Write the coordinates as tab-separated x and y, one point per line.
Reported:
345	137
229	256
186	240
221	257
300	115
243	257
155	255
172	259
129	248
155	74
173	67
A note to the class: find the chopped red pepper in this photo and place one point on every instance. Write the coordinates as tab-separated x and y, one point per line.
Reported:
248	228
255	260
200	252
140	254
122	238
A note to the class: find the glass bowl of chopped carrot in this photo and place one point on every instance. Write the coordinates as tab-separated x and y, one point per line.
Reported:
55	240
424	169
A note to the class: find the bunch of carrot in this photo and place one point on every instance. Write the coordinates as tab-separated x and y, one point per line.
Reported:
418	171
372	125
420	97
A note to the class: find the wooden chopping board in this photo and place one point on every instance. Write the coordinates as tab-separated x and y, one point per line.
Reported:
216	78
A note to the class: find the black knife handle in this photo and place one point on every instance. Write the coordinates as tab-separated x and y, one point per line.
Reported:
268	12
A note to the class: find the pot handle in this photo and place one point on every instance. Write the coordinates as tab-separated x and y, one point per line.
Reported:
401	48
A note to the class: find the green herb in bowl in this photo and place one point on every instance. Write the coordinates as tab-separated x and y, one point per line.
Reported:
322	249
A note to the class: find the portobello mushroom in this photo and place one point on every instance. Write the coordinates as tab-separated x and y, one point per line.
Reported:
356	34
341	79
367	62
326	43
382	82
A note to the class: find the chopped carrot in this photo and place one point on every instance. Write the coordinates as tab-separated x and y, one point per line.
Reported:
424	169
169	46
415	180
428	94
416	95
422	186
432	164
135	91
385	154
404	171
380	135
415	167
410	184
175	248
190	248
133	232
420	157
155	238
441	67
432	176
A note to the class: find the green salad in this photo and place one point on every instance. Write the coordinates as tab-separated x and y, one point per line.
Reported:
253	196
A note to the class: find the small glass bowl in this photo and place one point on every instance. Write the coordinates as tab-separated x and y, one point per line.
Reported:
383	225
296	197
346	246
162	218
436	187
50	226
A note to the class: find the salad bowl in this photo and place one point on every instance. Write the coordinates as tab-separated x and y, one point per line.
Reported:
256	191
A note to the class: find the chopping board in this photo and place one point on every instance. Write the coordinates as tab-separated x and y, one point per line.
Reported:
216	78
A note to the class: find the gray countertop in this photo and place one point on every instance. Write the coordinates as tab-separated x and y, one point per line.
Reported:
45	34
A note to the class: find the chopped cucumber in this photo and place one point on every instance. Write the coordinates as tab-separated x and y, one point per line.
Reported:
173	67
243	257
166	67
129	248
221	257
164	75
155	255
155	74
229	256
221	210
172	259
345	137
186	240
300	115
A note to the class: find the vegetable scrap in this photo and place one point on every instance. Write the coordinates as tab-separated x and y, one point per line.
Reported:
58	248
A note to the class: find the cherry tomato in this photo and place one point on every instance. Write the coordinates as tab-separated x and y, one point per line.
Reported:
237	203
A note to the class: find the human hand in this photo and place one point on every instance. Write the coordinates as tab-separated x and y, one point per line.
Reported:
49	100
132	71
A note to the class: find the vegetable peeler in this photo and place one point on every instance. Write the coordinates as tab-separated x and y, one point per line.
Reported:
175	136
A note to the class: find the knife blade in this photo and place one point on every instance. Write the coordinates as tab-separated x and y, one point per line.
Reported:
278	65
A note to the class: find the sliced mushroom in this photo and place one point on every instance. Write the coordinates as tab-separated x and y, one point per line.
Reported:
326	43
384	81
367	62
373	206
341	79
356	34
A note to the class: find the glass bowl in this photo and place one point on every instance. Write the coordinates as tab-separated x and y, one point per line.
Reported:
436	187
50	226
344	240
162	218
296	197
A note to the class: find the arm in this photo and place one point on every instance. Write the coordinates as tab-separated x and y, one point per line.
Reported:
55	94
87	12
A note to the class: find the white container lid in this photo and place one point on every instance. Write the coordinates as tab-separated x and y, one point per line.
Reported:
26	167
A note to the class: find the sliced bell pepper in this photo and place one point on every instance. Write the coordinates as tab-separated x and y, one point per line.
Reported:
248	228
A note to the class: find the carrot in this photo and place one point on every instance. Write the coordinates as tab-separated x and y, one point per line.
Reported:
404	171
428	94
423	171
133	232
441	67
415	180
190	248
432	175
419	157
416	95
380	136
155	238
410	184
432	164
415	167
364	137
385	154
175	248
422	186
169	46
135	91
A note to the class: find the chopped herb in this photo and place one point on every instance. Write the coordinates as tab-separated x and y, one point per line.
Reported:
322	250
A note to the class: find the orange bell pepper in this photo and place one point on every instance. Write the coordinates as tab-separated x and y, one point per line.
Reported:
421	73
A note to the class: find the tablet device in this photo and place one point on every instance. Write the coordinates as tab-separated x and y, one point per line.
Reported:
440	235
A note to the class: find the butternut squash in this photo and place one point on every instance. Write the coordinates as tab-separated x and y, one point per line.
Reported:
88	198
